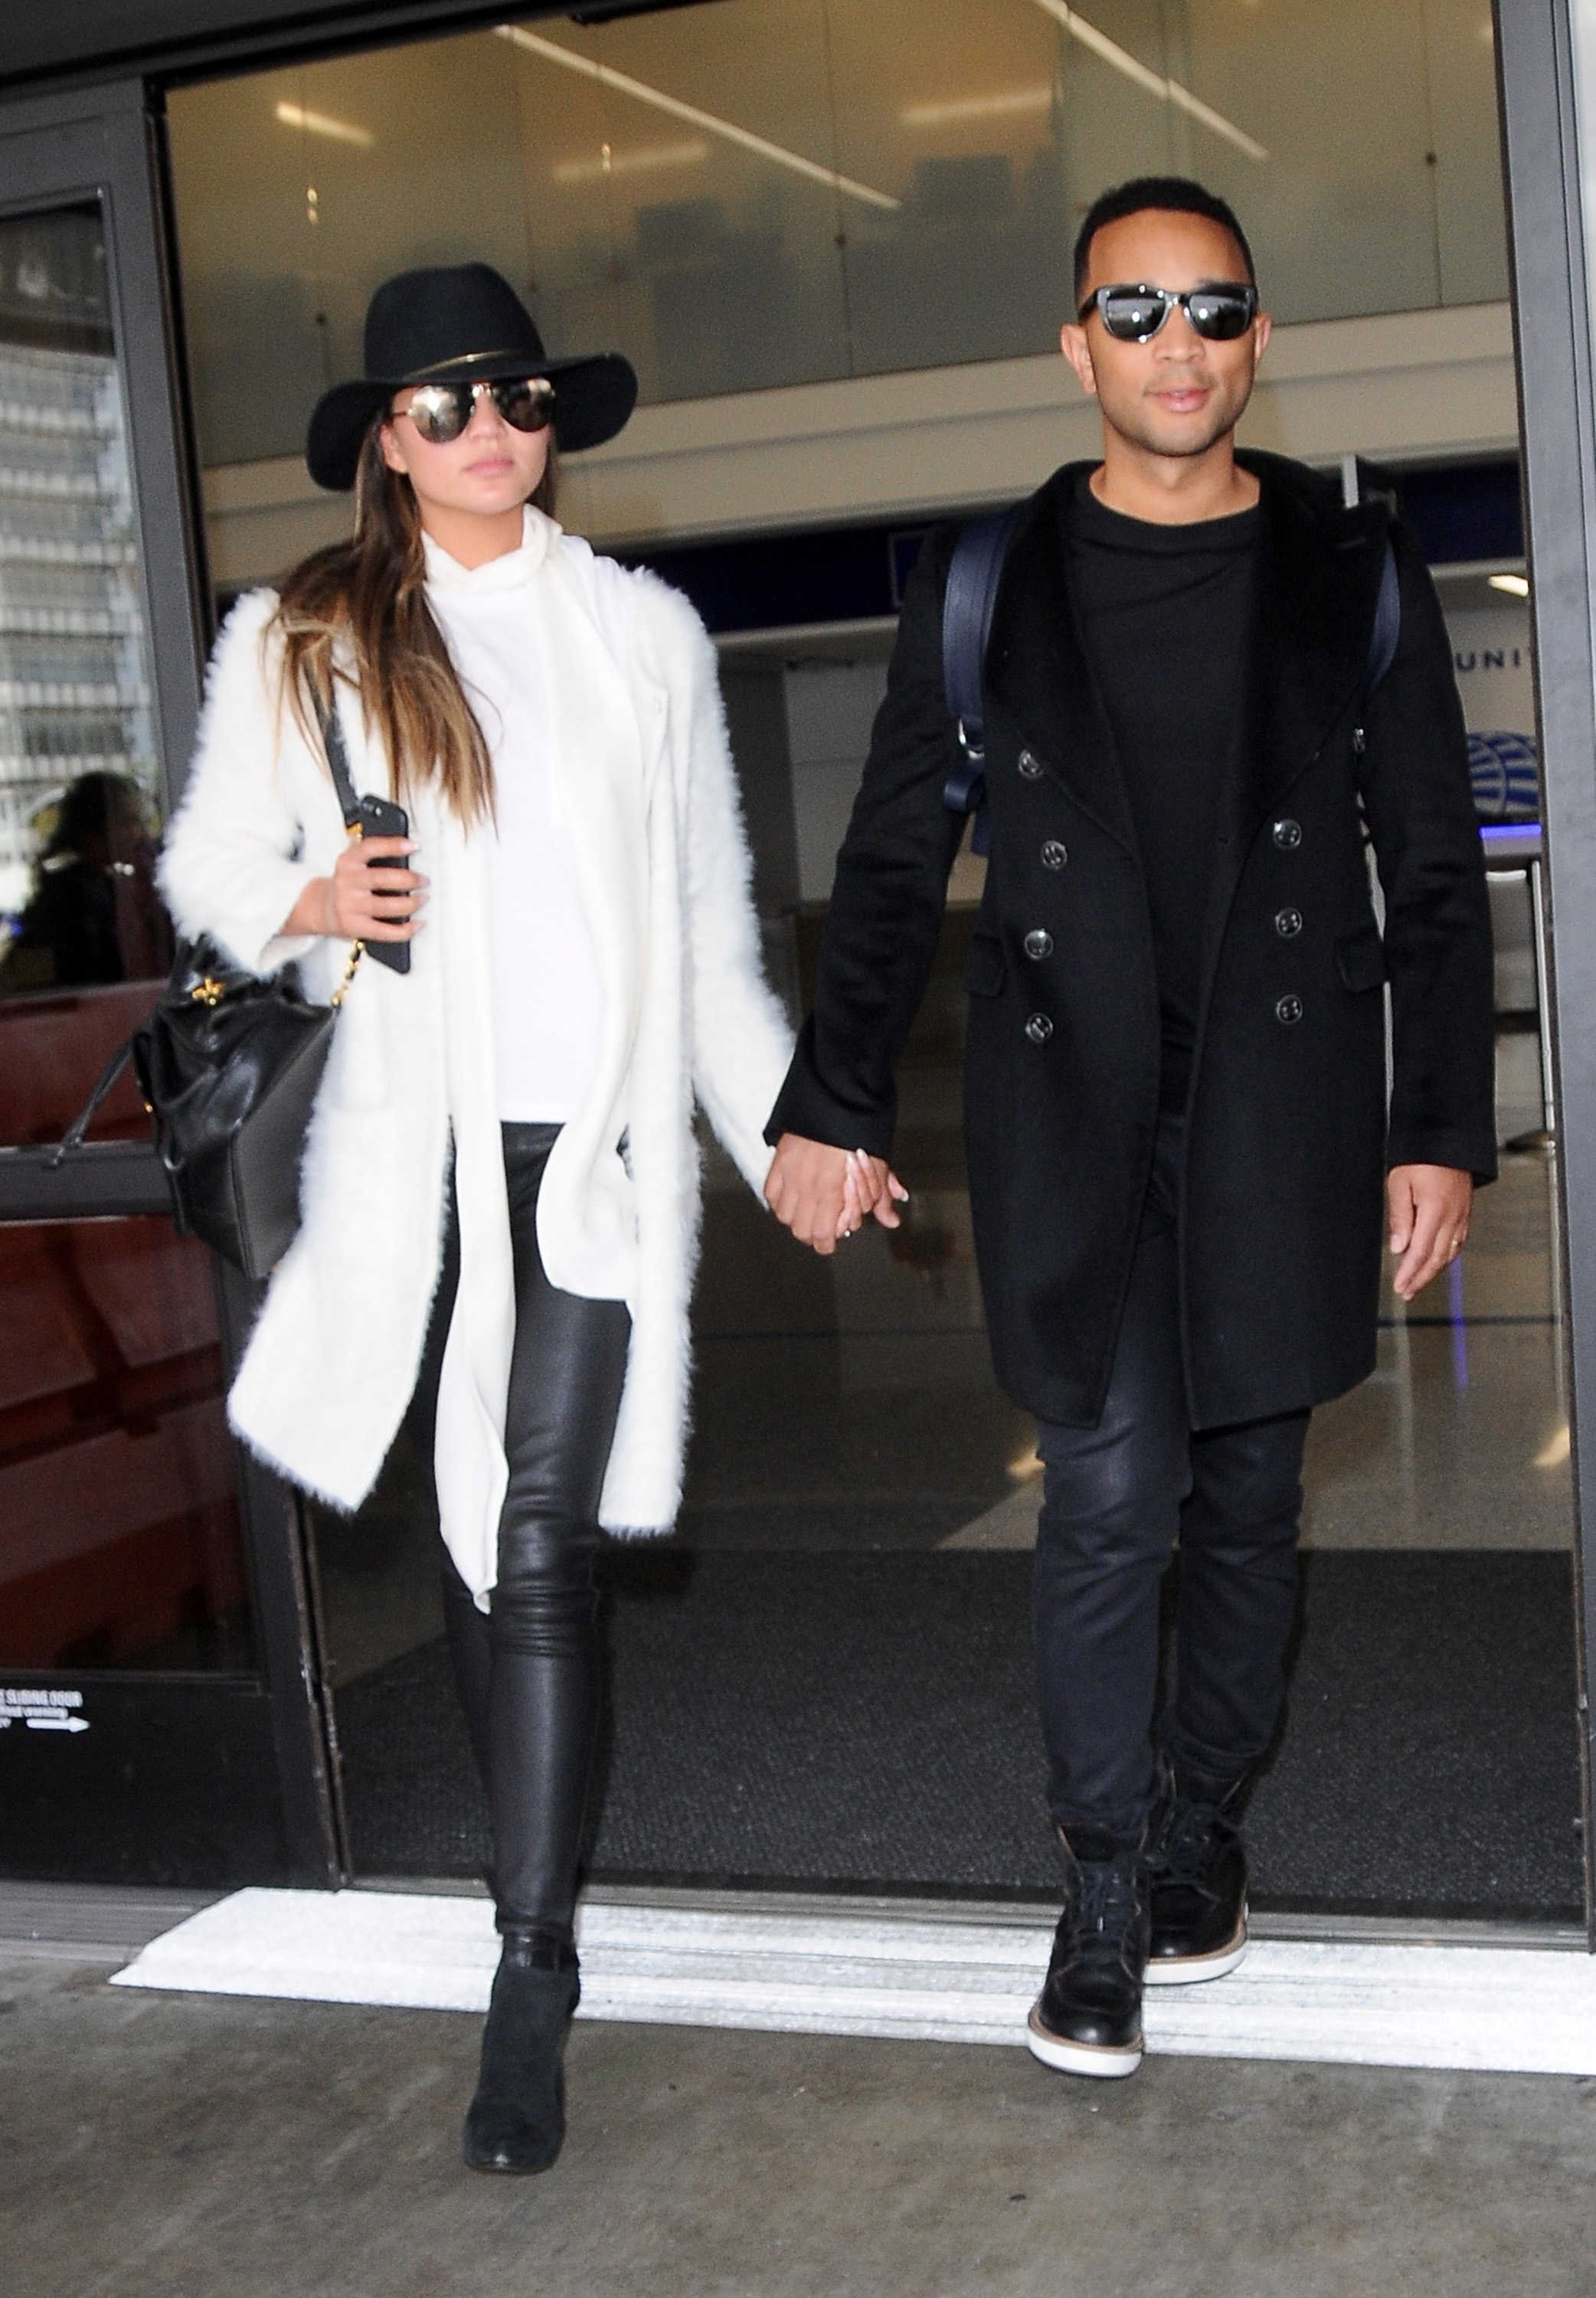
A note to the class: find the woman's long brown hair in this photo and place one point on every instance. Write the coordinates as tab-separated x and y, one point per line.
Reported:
369	595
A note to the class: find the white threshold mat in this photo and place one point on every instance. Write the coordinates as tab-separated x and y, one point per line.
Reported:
955	1978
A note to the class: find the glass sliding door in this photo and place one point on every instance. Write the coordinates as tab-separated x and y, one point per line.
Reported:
819	192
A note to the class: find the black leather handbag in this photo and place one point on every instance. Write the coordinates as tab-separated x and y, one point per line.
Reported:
229	1065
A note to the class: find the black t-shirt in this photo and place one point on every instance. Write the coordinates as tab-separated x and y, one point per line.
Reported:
1166	614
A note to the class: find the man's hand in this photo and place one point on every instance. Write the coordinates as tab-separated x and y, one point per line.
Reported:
822	1194
1429	1207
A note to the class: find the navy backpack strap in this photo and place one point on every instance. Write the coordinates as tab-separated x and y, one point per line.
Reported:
1381	641
1387	624
967	606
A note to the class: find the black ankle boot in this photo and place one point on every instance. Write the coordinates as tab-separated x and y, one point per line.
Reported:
1087	2019
1196	1877
518	2118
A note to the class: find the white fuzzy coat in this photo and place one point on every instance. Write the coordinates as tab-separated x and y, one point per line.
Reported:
645	779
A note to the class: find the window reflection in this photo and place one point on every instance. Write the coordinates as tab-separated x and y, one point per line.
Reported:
764	192
83	941
119	1537
92	913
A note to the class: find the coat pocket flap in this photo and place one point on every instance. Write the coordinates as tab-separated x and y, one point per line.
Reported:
984	968
1360	958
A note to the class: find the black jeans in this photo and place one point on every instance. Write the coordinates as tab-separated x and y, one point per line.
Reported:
528	1667
1114	1498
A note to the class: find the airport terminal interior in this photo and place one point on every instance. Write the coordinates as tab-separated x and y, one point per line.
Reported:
833	235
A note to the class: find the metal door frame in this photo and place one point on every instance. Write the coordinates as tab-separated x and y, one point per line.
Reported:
107	143
1553	345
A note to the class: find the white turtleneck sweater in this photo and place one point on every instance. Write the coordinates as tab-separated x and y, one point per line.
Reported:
547	997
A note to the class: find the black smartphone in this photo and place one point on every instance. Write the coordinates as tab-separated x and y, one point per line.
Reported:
379	817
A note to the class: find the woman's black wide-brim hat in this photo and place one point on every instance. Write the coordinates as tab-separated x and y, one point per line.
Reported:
462	324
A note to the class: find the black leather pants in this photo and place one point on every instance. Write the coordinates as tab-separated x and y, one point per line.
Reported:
528	1668
1114	1498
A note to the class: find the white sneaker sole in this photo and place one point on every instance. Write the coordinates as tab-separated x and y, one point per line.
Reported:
1099	2058
1191	1970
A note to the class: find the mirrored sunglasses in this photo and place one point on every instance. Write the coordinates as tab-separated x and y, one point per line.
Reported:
440	411
1133	315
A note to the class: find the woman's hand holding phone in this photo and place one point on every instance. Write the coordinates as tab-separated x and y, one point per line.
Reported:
357	904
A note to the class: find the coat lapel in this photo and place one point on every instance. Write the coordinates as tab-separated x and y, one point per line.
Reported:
598	750
1317	575
1037	667
1318	570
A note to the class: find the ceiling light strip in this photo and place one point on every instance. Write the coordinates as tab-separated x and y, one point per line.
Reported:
1215	120
319	123
1168	91
629	163
552	53
957	108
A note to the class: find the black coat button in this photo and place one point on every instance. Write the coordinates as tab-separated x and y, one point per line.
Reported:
1055	854
1288	1010
1030	766
1287	834
1038	1028
1288	923
1038	943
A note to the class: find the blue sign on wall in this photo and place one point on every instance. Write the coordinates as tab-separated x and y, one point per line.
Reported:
1507	781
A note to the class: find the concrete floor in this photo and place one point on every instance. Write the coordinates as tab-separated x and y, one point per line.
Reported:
162	2146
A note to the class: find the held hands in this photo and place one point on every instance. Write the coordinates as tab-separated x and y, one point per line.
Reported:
1429	1207
371	895
823	1195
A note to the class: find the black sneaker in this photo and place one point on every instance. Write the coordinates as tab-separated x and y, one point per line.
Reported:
1087	2019
1196	1881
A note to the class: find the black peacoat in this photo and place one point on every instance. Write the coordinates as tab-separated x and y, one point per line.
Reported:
1289	1127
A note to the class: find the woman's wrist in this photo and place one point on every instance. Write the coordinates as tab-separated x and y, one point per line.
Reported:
312	913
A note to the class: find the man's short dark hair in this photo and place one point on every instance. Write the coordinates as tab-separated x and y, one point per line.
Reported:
1177	194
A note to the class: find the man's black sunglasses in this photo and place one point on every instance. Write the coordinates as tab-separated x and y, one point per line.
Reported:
1133	315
